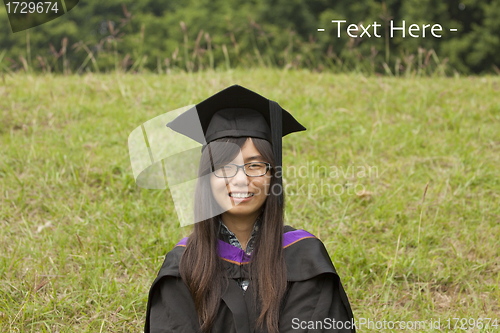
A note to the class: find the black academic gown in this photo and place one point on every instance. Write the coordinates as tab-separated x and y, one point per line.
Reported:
315	299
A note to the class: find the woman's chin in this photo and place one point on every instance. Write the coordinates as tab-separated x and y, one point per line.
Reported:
242	209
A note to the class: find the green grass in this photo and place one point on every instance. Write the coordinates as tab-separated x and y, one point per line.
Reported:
80	244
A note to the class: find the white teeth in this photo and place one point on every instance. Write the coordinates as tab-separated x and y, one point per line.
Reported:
241	195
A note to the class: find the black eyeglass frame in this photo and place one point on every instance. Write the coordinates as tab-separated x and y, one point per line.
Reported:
268	167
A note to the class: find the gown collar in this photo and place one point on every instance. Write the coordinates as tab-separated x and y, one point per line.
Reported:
229	237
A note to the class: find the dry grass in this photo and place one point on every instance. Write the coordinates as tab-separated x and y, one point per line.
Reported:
80	244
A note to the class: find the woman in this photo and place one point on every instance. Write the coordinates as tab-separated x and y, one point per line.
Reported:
241	270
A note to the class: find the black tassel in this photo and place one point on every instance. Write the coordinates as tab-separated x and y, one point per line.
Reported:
276	136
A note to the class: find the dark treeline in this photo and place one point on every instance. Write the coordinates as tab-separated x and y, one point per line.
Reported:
197	34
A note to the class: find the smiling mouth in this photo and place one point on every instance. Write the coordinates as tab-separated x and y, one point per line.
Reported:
240	195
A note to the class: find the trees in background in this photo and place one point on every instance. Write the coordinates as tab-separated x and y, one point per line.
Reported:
196	34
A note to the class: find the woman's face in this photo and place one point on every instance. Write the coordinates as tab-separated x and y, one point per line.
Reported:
224	188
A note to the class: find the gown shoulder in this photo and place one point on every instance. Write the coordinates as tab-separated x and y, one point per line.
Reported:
316	300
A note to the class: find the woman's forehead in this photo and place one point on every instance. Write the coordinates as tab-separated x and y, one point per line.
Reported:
249	149
248	153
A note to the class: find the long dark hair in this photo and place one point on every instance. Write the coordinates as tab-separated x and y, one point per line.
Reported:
200	266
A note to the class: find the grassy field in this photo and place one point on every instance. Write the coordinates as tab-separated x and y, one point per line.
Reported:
80	244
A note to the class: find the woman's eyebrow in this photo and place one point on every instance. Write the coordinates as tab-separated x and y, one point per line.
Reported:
256	157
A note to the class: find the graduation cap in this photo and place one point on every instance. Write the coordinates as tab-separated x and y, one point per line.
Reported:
239	112
169	155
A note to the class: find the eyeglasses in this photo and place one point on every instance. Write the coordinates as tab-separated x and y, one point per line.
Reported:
252	169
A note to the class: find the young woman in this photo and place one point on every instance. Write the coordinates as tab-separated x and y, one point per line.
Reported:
241	270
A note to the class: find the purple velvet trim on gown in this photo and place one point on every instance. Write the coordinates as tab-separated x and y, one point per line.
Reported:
234	254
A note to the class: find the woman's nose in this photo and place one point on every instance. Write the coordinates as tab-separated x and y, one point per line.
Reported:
240	178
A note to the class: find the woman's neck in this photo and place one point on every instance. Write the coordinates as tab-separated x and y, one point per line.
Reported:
240	226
